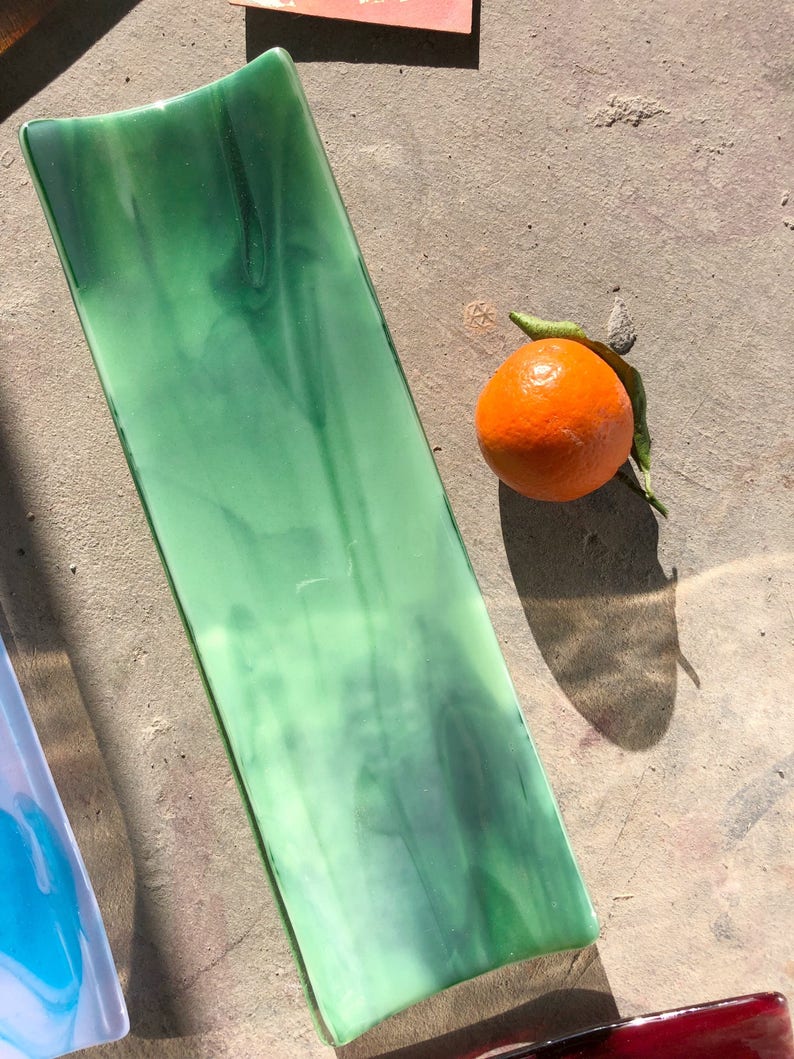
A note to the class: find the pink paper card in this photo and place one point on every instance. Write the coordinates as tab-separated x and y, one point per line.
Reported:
453	16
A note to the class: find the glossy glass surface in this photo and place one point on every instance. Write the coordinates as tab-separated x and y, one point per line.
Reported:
58	986
450	15
750	1027
405	820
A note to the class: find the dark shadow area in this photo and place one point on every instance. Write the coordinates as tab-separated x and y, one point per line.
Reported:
18	17
152	1012
600	607
542	999
50	47
311	39
61	713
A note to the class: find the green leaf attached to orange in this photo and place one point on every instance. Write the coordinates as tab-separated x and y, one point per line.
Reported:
536	329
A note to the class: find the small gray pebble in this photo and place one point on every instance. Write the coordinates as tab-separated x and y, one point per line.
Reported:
621	333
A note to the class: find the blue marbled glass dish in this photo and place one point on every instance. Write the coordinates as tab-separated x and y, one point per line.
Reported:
58	986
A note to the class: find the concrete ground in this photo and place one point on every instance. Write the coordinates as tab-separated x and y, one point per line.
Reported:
557	155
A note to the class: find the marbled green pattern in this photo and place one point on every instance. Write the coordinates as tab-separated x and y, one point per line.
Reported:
405	820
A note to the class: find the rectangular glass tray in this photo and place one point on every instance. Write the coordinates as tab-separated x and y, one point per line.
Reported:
757	1026
58	986
408	828
453	16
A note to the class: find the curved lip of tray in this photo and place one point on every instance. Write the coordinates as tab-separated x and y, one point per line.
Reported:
168	101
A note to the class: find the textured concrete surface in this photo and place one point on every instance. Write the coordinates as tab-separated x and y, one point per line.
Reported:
551	159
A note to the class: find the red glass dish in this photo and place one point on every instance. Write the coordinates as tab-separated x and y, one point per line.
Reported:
748	1027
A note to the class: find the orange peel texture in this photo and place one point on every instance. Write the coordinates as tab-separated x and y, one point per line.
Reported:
555	422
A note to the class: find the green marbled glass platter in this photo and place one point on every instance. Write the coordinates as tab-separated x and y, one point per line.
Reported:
406	823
